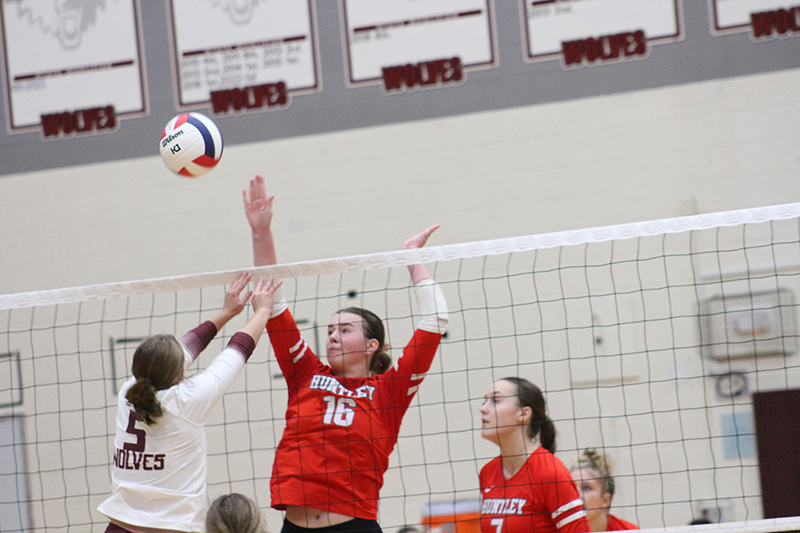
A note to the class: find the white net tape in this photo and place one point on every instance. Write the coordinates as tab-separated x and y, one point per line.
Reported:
408	257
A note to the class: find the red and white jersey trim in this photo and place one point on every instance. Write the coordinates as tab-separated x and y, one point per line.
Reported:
559	515
418	378
296	347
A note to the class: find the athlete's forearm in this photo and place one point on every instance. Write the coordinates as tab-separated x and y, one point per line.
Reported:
432	306
255	326
264	247
223	317
418	273
196	340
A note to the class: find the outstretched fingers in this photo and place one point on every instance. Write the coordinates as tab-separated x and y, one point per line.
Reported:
234	299
257	205
264	293
419	240
258	190
240	282
273	285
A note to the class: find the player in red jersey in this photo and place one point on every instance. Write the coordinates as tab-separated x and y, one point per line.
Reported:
526	488
592	474
342	418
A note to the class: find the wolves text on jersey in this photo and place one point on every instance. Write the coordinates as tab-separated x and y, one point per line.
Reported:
331	384
129	460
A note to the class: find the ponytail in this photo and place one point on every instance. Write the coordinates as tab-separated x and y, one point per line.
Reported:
541	427
142	397
380	362
547	434
157	364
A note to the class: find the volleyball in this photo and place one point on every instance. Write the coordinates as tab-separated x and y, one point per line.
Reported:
191	144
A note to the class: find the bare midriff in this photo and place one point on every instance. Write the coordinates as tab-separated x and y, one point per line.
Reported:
313	518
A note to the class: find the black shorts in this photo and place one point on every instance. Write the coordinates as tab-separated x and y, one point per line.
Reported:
356	525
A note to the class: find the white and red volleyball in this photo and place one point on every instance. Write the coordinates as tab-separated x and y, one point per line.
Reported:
191	144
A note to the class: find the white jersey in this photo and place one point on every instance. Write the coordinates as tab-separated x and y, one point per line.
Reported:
159	471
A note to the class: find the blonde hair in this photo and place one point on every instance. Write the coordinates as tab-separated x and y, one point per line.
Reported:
234	513
596	462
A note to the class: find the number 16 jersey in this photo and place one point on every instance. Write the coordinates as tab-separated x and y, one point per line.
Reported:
340	431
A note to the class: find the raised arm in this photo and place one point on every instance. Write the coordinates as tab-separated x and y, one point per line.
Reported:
430	299
196	340
419	272
234	301
201	392
262	304
258	208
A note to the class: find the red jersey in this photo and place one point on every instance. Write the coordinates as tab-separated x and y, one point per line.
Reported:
618	524
339	431
541	497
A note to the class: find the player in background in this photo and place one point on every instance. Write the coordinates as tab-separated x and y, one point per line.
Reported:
592	474
159	472
234	513
526	488
342	418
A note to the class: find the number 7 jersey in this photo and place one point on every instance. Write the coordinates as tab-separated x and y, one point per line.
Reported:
540	497
340	431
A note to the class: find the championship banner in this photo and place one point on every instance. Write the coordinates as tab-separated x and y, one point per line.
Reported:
71	68
406	44
243	56
764	18
585	32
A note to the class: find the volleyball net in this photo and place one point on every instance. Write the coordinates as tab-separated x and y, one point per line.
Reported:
670	346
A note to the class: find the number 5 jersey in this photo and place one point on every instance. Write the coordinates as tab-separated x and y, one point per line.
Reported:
159	471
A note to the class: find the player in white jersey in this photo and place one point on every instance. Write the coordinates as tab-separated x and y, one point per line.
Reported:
159	467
